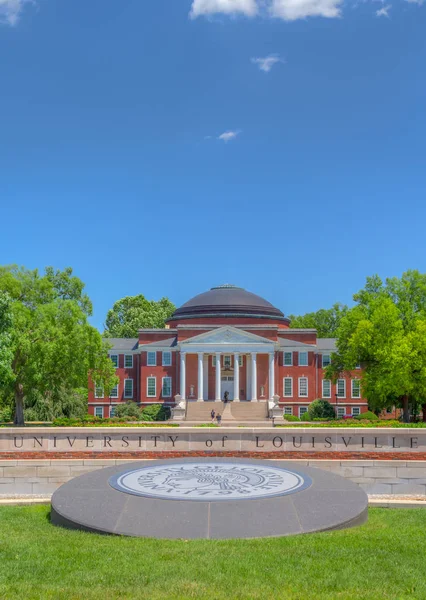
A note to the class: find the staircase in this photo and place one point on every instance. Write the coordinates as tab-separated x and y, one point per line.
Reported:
233	413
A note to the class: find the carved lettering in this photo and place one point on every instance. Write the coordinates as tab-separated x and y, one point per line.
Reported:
125	443
173	440
277	442
300	442
107	441
362	442
224	438
393	443
155	438
348	442
413	442
376	444
54	441
15	444
38	441
209	443
313	442
89	441
140	441
71	443
328	442
257	443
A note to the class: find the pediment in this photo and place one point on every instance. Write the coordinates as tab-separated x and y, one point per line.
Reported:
226	336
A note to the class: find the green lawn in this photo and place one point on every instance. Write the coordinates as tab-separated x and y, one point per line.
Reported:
383	559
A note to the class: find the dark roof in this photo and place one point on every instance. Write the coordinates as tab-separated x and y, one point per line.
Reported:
168	343
227	300
123	344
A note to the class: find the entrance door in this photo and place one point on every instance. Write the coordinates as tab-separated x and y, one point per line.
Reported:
227	386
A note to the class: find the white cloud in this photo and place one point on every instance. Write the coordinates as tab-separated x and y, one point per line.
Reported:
290	10
384	11
227	7
10	10
266	64
227	136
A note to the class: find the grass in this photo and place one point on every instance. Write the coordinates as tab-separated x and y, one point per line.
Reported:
383	559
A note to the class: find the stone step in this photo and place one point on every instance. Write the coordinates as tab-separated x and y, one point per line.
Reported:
231	411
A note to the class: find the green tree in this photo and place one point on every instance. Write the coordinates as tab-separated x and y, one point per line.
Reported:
132	313
52	345
386	333
325	321
6	353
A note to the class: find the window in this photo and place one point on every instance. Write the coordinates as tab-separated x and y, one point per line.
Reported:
114	392
288	359
303	387
357	367
151	359
303	359
128	388
167	387
356	388
288	410
240	360
341	411
326	388
151	387
227	361
99	411
214	360
302	410
341	388
288	387
356	411
128	361
114	358
326	360
167	359
112	411
99	391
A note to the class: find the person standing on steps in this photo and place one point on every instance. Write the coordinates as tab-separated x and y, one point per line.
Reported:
218	418
212	414
226	397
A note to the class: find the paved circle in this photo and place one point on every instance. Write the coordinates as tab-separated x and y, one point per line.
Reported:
215	498
207	482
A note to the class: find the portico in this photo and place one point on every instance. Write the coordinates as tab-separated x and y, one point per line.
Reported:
228	361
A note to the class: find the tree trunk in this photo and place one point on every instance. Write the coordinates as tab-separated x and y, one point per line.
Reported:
424	411
405	409
19	407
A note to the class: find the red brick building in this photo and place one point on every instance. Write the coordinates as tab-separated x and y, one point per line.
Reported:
261	359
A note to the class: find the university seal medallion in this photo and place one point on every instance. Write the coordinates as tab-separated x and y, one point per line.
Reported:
210	481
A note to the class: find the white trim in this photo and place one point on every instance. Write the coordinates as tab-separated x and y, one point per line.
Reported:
148	364
125	357
117	386
163	395
356	408
148	395
162	358
102	415
322	360
305	411
291	358
118	360
339	411
344	388
125	394
307	388
291	386
288	410
352	388
323	394
307	358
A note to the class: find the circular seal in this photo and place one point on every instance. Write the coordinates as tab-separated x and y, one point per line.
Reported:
210	481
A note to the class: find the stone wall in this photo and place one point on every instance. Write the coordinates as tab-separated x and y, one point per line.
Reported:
42	477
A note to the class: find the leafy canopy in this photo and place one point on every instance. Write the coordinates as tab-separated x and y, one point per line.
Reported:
386	333
132	313
52	347
325	321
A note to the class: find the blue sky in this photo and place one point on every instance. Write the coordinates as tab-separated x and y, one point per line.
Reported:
113	158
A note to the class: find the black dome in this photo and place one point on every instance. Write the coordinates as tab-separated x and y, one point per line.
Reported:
227	301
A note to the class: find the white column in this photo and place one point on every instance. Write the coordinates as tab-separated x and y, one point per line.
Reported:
218	398
200	376
253	377
236	377
206	377
271	375
183	375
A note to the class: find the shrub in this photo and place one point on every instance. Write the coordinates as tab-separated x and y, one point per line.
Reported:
6	414
367	416
155	412
130	409
305	416
30	414
321	409
291	418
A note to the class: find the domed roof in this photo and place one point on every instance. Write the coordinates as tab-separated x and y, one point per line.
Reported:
227	301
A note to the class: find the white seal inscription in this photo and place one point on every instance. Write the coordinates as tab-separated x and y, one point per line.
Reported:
209	481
